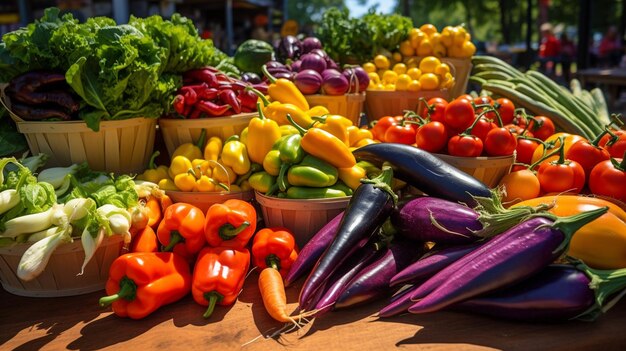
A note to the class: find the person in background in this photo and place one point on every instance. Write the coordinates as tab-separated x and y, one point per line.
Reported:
610	49
568	55
549	49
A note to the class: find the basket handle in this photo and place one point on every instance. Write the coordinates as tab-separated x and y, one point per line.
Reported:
225	172
4	100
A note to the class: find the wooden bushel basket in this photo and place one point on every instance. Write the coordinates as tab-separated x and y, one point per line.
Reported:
348	105
488	170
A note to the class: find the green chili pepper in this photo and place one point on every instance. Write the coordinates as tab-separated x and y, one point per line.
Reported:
290	153
312	172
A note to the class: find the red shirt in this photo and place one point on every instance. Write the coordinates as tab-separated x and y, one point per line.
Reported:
550	47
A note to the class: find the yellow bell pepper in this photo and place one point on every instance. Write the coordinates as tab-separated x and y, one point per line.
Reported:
243	136
213	148
191	150
285	91
245	186
185	181
180	164
318	111
153	173
167	184
352	176
262	133
204	183
336	125
287	129
362	143
356	134
223	173
201	167
278	112
235	155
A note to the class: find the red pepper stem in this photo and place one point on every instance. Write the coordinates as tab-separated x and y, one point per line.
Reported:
214	298
128	291
175	238
272	261
228	231
259	94
151	164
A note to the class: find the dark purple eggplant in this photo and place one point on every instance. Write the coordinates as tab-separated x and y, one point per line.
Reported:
275	64
36	80
335	85
557	293
310	43
313	62
339	280
308	81
399	303
368	208
425	171
296	66
330	63
313	249
330	72
39	113
372	282
286	75
321	53
251	77
509	258
432	263
358	78
289	48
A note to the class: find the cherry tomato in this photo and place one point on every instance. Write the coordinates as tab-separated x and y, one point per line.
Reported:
605	138
465	145
467	97
379	129
587	155
519	186
525	149
506	108
556	177
435	109
482	127
459	114
617	148
608	178
500	142
517	130
541	127
398	133
432	136
483	99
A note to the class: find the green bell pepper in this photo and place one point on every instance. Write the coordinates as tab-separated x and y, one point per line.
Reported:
302	192
290	153
262	181
271	162
312	172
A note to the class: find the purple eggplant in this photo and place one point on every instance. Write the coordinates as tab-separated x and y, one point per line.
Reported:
330	72
358	78
308	81
296	66
285	75
557	293
312	61
507	259
330	63
321	53
368	208
251	77
274	64
425	171
313	249
432	263
289	47
399	303
335	85
310	43
372	282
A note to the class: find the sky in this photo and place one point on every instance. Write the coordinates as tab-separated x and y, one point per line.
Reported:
356	10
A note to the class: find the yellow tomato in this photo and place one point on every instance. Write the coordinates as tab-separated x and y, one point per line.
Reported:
412	62
570	139
442	69
460	36
415	85
429	64
381	62
446	36
403	82
397	57
416	40
425	48
374	77
429	81
428	28
399	68
519	186
390	77
439	50
414	73
406	49
413	32
435	38
448	81
390	86
468	49
380	86
369	67
455	51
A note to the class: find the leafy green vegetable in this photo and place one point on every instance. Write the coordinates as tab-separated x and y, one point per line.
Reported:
11	141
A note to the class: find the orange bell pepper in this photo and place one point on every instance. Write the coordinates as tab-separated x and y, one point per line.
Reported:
218	276
141	282
182	230
154	211
274	248
144	240
230	224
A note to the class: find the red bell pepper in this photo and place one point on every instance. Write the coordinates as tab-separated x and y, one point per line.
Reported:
230	224
182	230
275	248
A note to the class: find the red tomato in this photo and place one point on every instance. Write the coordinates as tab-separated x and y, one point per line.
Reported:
500	142
517	130
379	129
459	114
587	155
398	133
525	149
506	108
467	97
465	145
541	127
608	179
483	100
482	127
605	138
432	136
435	109
617	148
556	177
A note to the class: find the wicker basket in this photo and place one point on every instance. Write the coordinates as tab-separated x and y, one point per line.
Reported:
122	146
488	170
203	200
303	217
349	105
60	278
179	131
380	103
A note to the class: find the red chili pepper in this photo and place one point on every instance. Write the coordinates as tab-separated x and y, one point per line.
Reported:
221	77
224	86
194	113
208	93
212	109
179	104
248	100
187	110
190	95
239	85
229	97
201	75
262	87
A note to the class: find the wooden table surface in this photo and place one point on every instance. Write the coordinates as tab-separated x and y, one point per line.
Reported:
78	323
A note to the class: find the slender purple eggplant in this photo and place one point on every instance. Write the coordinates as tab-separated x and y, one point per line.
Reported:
511	257
372	282
399	303
313	250
432	263
425	171
557	293
370	205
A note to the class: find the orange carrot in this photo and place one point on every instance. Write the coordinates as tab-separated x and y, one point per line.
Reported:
273	294
153	205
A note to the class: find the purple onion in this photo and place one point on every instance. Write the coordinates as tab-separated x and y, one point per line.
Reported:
310	43
312	61
358	79
308	81
335	85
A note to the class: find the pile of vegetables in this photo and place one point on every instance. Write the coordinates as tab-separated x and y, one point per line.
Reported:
208	92
118	71
313	71
452	41
429	73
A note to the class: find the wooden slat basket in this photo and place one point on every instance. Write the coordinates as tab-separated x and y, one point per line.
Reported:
348	105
